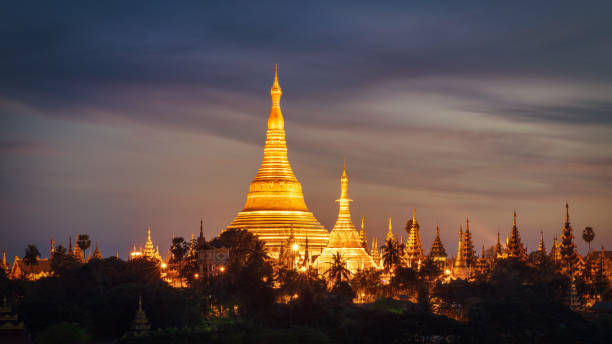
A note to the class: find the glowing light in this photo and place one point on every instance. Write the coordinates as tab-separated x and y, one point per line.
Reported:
295	296
222	268
447	271
303	268
196	276
295	247
163	265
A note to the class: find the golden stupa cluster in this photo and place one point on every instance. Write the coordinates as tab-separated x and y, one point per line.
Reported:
275	211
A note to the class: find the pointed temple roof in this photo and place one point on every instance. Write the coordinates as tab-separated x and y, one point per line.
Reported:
515	247
362	234
554	251
275	200
498	248
437	248
414	249
460	269
469	253
97	254
77	252
567	248
541	248
390	232
344	238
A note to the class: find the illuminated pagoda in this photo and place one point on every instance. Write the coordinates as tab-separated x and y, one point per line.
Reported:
567	248
362	234
555	255
275	201
97	254
437	252
3	265
514	248
460	268
390	231
344	238
482	263
499	251
77	252
414	250
374	252
541	248
149	252
468	246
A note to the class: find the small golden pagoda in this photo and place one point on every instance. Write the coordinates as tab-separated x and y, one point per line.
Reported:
344	238
437	252
414	249
460	269
275	201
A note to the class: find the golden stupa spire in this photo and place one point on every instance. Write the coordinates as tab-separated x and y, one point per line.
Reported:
514	219
344	238
566	212
275	200
390	232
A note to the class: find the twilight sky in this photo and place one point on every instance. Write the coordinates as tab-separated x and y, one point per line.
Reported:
116	115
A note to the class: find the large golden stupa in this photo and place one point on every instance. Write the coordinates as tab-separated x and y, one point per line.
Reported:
344	238
275	204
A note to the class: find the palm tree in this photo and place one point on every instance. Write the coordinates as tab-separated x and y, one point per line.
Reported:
337	270
258	253
391	254
588	235
84	243
31	256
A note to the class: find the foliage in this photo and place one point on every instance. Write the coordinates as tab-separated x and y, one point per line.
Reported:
588	235
337	271
83	242
61	333
391	254
31	256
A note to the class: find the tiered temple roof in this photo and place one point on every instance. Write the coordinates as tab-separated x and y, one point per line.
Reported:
390	231
97	254
515	247
468	245
414	249
541	247
460	268
275	201
437	252
362	234
567	248
344	238
554	251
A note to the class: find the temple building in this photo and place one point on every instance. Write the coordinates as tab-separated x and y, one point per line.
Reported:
344	238
514	247
541	248
460	268
362	234
149	252
275	201
414	250
499	251
140	325
482	264
97	254
374	252
390	231
468	246
555	255
437	252
567	248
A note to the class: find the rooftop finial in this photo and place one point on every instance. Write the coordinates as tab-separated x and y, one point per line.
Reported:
514	219
566	212
467	224
413	216
275	120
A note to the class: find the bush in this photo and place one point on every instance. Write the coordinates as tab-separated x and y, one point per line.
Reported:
63	333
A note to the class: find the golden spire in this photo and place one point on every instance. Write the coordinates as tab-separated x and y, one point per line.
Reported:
275	200
467	224
275	120
566	212
514	219
390	232
413	216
